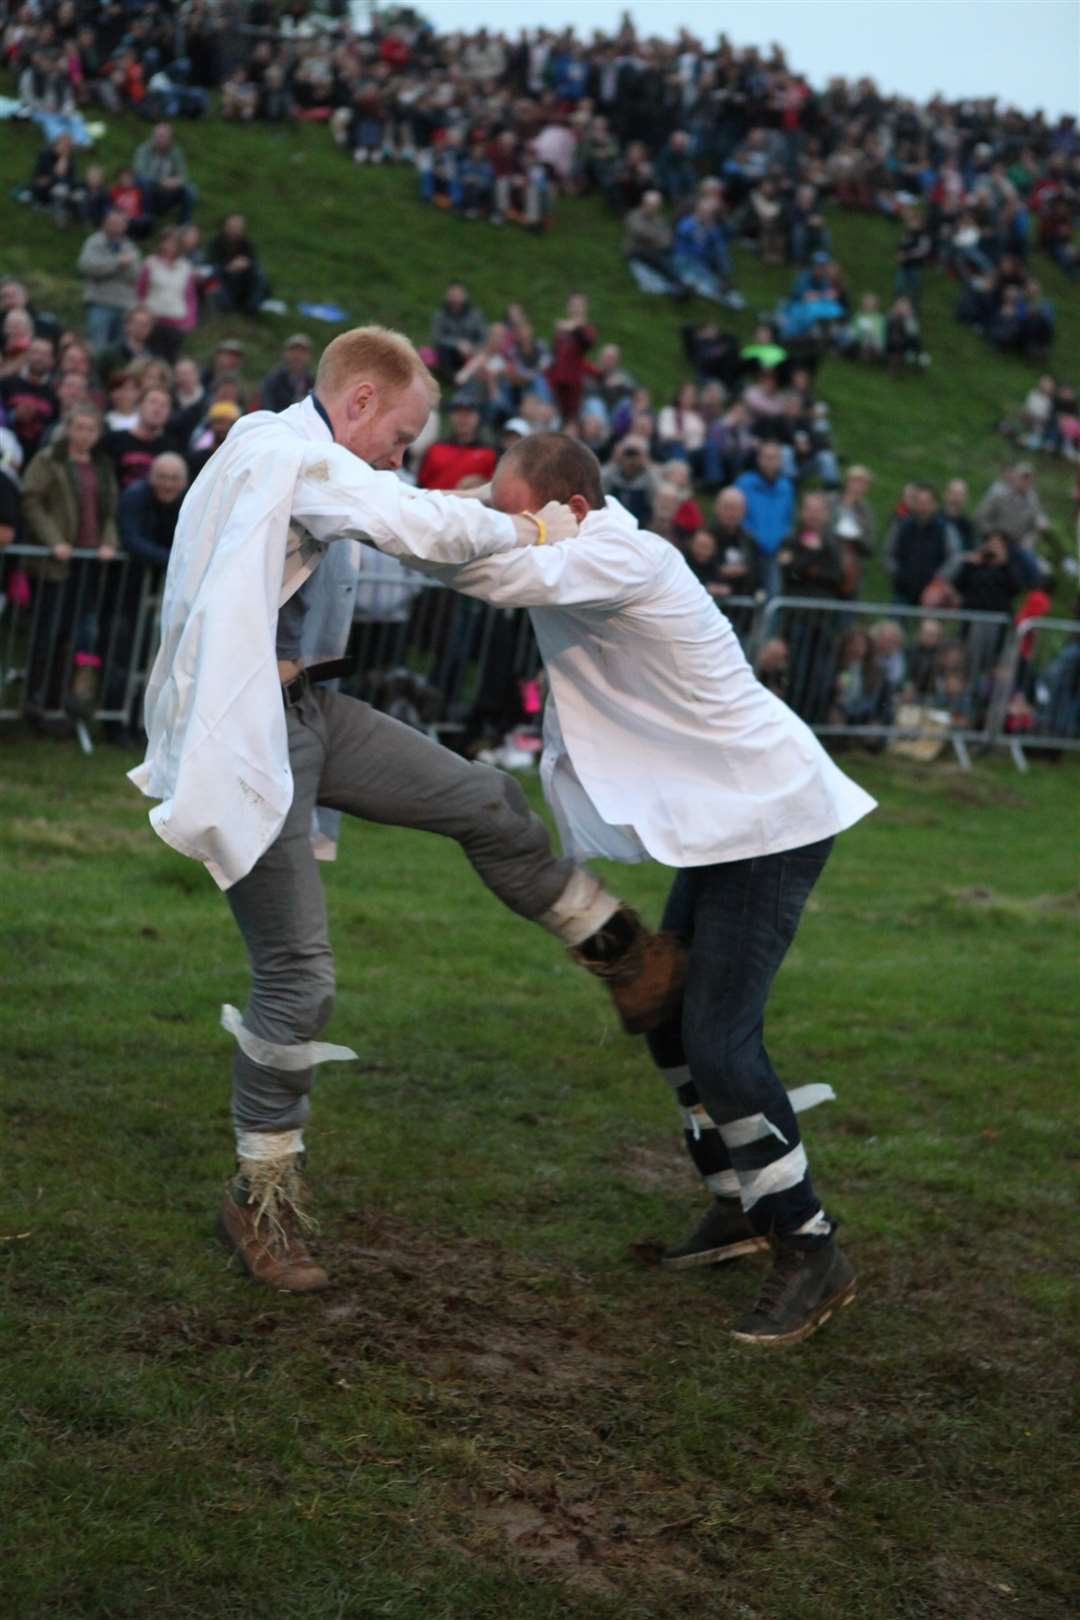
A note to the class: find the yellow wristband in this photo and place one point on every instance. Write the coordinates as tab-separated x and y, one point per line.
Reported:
541	528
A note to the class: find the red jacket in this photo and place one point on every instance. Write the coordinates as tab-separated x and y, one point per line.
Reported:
447	463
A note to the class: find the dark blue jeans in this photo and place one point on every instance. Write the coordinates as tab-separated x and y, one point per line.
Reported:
738	919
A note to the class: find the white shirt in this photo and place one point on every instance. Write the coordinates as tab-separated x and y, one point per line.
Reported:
659	740
254	526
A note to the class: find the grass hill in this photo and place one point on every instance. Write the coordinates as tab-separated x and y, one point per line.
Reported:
328	230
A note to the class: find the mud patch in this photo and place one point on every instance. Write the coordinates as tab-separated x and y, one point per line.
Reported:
659	1167
986	902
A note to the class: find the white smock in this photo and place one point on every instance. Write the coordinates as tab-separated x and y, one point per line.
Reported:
659	740
254	526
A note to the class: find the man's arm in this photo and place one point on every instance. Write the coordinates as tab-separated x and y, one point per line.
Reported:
591	573
339	497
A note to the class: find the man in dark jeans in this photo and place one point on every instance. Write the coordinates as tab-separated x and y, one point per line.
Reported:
659	743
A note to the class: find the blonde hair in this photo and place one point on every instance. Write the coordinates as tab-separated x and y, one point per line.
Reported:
375	353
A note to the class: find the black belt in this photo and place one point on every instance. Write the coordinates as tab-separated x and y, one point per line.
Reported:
292	691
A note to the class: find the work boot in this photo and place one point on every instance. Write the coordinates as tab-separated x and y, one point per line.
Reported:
645	972
723	1233
263	1222
803	1289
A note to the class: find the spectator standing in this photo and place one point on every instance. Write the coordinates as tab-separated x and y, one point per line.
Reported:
958	521
630	478
462	455
146	520
27	396
292	379
573	338
109	266
736	550
162	172
133	347
132	450
812	568
851	527
680	427
918	546
220	419
189	402
69	505
770	511
1011	506
11	459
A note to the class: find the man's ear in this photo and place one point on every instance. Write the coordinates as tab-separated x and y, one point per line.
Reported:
363	401
579	506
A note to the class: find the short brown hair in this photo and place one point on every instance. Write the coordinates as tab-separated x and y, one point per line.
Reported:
372	351
555	467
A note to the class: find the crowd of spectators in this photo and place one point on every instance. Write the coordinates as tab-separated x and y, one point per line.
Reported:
100	431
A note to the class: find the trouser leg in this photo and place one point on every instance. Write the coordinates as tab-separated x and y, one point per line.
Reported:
386	772
281	912
743	916
705	1146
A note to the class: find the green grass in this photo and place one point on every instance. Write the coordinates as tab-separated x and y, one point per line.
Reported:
500	1410
359	237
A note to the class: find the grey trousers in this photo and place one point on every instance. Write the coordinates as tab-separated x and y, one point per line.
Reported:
348	756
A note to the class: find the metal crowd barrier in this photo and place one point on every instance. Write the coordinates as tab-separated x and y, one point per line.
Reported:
915	680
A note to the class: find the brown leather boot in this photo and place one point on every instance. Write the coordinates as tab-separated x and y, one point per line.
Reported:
645	972
264	1224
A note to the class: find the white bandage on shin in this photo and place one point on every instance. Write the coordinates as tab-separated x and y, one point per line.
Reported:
580	911
304	1055
260	1146
723	1184
772	1178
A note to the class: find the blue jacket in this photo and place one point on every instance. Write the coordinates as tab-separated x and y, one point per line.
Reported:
770	508
705	244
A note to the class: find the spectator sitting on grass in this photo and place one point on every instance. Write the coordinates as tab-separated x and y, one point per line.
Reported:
457	330
125	195
55	184
868	329
486	374
903	338
647	244
241	284
161	170
701	255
